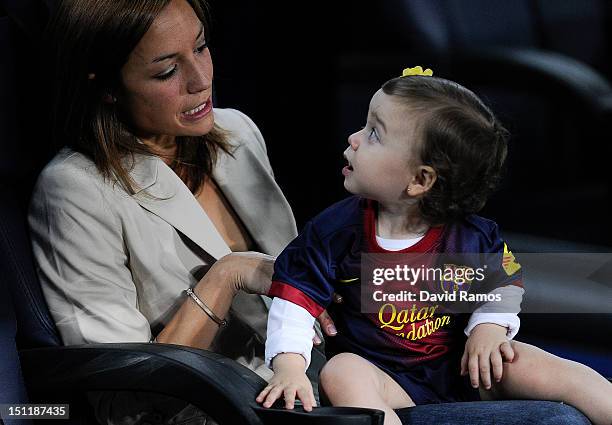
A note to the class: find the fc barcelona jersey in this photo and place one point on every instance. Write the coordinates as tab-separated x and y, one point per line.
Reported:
326	258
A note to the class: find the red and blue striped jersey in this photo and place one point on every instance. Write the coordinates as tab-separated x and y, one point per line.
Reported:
326	258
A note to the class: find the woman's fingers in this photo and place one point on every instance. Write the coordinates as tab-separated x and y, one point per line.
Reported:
327	324
315	339
249	271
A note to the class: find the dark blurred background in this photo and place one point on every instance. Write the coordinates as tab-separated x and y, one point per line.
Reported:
305	73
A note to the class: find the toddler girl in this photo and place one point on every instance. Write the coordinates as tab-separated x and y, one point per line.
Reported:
426	161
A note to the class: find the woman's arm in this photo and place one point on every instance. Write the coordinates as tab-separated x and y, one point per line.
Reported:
190	325
246	271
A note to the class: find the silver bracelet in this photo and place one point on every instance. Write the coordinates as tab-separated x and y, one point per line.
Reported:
205	309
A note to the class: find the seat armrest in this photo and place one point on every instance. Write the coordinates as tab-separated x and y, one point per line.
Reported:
219	386
322	416
215	384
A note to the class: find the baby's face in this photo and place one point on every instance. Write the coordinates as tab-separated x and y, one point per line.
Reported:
383	156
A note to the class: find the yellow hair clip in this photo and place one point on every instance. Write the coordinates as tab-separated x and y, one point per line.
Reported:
417	70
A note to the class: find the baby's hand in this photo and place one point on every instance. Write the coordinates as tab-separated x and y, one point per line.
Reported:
289	379
483	350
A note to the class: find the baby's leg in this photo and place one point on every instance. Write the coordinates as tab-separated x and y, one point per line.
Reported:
350	380
536	374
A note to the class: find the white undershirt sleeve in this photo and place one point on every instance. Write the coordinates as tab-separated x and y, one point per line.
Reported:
503	313
290	330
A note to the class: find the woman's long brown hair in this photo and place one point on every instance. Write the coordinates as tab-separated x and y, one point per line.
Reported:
96	37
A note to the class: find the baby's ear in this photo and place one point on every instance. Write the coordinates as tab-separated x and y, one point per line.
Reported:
423	181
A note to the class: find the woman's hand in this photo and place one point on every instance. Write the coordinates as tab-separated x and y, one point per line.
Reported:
326	322
289	380
250	271
484	349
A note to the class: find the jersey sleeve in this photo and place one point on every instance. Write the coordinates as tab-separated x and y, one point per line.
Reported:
503	280
303	272
504	277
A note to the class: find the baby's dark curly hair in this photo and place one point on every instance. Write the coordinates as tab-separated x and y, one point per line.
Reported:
461	140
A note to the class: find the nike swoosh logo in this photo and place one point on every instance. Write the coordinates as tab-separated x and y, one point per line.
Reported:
348	280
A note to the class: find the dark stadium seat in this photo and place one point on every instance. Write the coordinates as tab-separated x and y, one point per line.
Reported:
11	379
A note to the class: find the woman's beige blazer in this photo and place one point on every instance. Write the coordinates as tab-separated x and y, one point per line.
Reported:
113	266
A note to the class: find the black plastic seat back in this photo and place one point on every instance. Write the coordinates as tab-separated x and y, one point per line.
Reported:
24	318
12	387
446	25
578	28
35	328
22	150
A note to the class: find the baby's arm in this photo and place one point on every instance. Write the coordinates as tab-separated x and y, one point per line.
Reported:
288	347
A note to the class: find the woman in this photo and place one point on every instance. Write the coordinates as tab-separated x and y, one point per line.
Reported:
156	191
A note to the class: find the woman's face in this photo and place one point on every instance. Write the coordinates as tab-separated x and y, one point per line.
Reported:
167	80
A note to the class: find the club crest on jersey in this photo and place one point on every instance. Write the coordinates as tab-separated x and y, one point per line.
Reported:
454	278
509	262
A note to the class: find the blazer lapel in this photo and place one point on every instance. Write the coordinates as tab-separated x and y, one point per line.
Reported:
167	197
253	193
249	187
